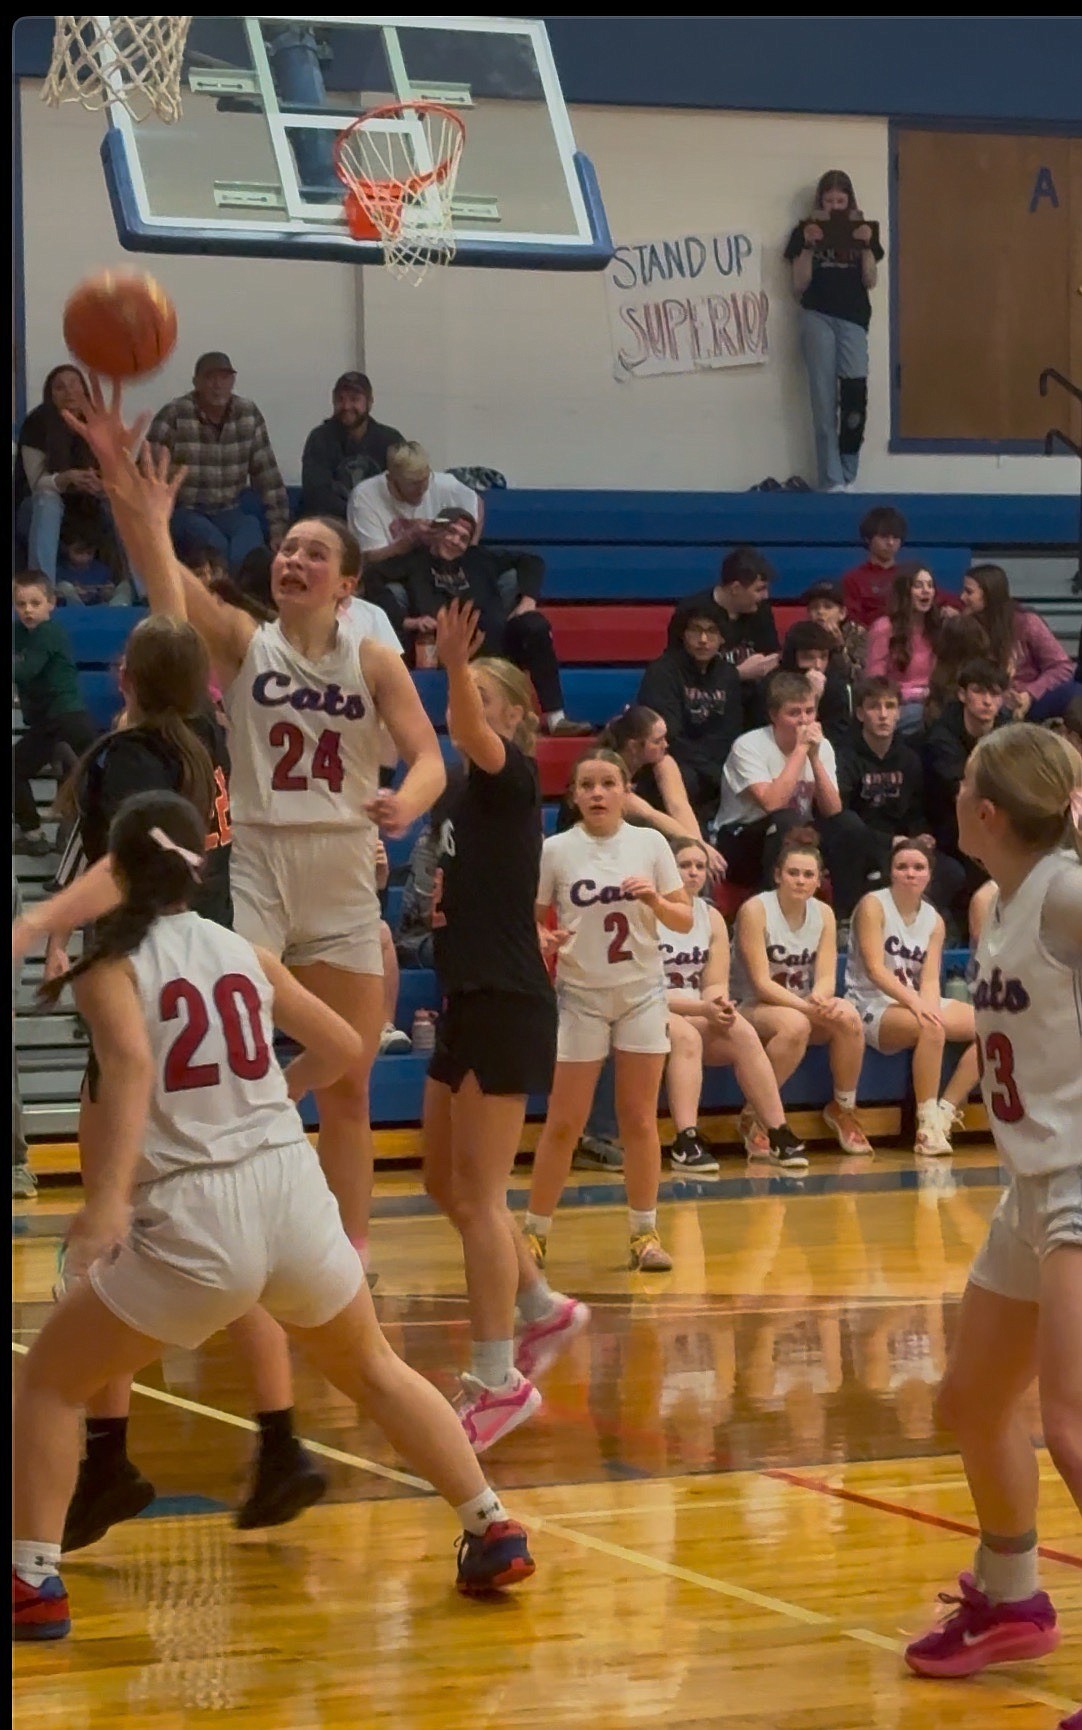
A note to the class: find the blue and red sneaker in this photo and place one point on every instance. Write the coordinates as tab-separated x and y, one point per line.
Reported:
978	1633
495	1558
39	1612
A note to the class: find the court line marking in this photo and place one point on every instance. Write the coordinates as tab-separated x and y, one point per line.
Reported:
923	1515
238	1423
556	1526
779	1606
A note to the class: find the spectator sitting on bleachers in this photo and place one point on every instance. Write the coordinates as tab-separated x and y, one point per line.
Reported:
392	1040
782	776
812	650
866	587
976	711
881	780
347	448
204	562
749	636
55	483
696	691
1041	676
657	796
395	513
504	587
962	638
83	578
826	605
413	939
902	645
53	711
223	442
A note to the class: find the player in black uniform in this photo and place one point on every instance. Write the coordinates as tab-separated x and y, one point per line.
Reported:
496	1038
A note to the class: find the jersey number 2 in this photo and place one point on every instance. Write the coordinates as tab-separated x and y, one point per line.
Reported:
327	762
619	925
237	1003
997	1050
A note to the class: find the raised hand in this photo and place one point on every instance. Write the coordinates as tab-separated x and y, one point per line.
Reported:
102	426
458	633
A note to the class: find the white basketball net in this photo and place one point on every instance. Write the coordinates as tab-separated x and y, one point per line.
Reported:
135	62
401	167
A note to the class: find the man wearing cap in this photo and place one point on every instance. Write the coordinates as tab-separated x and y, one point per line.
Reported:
826	604
222	441
348	448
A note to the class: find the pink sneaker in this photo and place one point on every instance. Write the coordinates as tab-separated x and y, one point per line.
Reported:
489	1414
978	1633
540	1343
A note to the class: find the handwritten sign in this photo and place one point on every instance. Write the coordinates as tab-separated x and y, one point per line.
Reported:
685	304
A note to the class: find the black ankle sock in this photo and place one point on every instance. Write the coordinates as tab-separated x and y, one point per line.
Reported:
106	1444
276	1436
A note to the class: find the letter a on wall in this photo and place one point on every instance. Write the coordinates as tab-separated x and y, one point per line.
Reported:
1044	187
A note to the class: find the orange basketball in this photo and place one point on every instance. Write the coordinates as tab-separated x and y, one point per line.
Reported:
120	325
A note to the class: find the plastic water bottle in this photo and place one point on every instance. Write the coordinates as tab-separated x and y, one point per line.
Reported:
424	1031
426	649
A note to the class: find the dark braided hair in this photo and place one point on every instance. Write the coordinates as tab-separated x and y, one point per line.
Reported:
153	878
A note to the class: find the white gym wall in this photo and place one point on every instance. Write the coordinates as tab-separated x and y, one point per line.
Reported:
513	369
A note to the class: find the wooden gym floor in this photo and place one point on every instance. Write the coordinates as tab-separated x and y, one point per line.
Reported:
739	1505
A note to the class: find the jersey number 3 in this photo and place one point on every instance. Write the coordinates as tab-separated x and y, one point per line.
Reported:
327	762
998	1051
236	1001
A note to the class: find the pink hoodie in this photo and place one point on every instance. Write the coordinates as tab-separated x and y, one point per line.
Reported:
915	678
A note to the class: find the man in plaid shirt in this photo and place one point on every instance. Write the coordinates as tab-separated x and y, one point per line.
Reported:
223	442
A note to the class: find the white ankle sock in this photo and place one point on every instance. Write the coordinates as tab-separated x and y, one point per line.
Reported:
539	1223
484	1511
1007	1578
642	1220
536	1302
34	1563
846	1098
492	1361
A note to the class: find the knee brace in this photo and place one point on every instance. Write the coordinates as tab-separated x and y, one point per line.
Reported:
853	413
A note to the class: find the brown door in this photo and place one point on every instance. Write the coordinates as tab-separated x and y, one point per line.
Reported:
988	267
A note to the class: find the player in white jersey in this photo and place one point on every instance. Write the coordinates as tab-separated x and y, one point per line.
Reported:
705	1028
1019	815
611	887
305	697
893	972
210	1201
785	980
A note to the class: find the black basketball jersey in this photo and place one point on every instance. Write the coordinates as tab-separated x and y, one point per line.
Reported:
488	830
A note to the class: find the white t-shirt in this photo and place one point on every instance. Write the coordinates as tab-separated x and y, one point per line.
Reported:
758	757
614	939
377	517
371	621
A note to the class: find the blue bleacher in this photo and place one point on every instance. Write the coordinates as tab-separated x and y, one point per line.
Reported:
666	573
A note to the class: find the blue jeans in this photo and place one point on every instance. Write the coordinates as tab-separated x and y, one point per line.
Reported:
1053	703
233	533
836	355
39	519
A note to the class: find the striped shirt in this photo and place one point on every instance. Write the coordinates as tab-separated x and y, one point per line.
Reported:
221	460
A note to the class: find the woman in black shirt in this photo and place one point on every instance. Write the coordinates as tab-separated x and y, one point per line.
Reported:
831	281
496	1037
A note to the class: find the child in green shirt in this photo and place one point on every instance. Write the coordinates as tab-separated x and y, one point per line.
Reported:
53	711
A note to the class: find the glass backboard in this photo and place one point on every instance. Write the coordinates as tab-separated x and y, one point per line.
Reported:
247	169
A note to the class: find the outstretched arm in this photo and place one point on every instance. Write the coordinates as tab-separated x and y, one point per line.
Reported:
143	497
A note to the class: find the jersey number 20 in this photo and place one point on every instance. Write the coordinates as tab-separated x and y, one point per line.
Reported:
236	1001
998	1051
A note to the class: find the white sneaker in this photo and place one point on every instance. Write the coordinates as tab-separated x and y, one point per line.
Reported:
931	1140
393	1042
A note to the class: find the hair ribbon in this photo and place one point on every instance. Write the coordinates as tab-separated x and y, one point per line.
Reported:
194	861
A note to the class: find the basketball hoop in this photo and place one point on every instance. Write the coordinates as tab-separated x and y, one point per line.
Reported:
399	165
135	62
